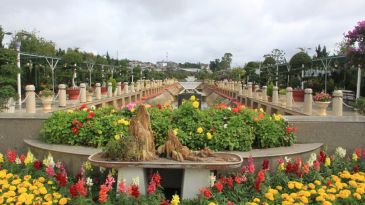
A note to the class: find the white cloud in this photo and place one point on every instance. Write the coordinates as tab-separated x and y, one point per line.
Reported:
188	30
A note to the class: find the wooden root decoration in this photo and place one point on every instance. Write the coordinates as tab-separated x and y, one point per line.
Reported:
176	151
140	129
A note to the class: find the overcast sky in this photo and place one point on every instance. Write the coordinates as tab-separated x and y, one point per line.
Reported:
189	30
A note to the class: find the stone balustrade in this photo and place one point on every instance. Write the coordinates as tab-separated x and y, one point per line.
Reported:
254	97
135	92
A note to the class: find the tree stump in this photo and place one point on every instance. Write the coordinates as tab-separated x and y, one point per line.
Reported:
140	129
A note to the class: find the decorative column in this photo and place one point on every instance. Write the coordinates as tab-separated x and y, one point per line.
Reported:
119	88
249	90
337	102
126	89
257	87
97	91
275	95
308	101
30	102
240	92
289	97
62	95
132	87
82	93
110	90
264	93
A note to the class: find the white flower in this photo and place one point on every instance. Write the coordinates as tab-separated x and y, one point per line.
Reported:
135	181
225	126
92	107
287	159
229	108
49	161
212	179
17	160
89	182
311	159
341	152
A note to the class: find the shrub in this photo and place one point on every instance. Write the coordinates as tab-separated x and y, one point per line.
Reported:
360	105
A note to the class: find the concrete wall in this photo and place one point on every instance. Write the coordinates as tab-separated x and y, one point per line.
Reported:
346	131
15	127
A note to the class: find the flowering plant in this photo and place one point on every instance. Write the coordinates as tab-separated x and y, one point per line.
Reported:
322	97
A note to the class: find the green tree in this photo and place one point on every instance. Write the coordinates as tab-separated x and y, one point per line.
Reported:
268	70
300	61
31	43
321	52
8	73
250	71
226	61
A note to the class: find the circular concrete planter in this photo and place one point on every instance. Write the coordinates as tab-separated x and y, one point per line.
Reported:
322	107
47	103
71	156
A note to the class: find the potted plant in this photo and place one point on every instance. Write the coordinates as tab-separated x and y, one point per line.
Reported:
322	99
104	89
282	97
298	95
270	88
71	59
46	96
89	94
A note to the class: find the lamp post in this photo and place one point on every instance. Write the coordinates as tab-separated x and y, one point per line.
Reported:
302	86
17	48
358	84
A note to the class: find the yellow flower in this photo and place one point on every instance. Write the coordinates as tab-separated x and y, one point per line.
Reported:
277	117
192	98
357	196
327	162
29	158
354	157
196	104
63	201
291	185
87	165
256	200
199	130
279	188
117	137
175	131
212	203
1	158
175	200
209	136
261	110
327	203
270	196
70	111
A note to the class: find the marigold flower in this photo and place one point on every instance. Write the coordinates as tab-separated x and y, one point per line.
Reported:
199	130
196	104
209	136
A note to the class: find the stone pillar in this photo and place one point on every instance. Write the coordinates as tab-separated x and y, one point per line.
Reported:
132	87
264	93
275	95
289	97
126	89
119	88
249	90
62	95
308	101
30	102
82	93
110	90
240	92
257	87
337	102
97	91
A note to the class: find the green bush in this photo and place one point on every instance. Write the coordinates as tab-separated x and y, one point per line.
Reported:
360	105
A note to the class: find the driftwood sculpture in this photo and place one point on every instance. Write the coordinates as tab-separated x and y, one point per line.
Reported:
176	151
140	129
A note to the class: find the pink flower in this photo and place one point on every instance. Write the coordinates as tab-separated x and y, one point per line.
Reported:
151	187
50	171
122	187
109	181
130	106
250	165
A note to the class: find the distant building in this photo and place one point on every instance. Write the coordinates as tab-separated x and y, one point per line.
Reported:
143	65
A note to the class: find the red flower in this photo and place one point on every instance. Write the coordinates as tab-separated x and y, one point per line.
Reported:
22	158
356	168
289	130
133	190
151	188
260	177
75	121
81	187
37	165
91	115
11	155
75	130
165	202
306	168
156	178
206	193
328	183
73	190
79	124
218	186
317	165
322	156
159	106
236	110
358	152
240	179
103	193
265	164
62	180
230	203
229	182
83	106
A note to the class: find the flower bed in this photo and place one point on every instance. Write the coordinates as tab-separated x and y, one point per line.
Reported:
219	128
323	179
